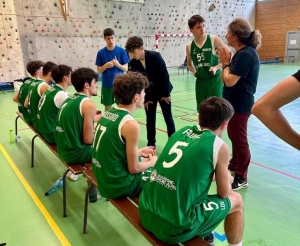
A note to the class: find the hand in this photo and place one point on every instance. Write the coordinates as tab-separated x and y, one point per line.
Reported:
146	105
166	99
97	117
152	158
195	73
115	62
224	56
146	152
109	64
213	70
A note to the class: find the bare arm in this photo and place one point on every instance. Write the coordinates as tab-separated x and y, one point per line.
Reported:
218	43
223	178
228	78
267	110
225	58
107	65
88	111
26	102
123	67
189	62
16	97
44	88
131	132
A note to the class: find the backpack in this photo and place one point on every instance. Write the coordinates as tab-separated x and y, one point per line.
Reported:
18	82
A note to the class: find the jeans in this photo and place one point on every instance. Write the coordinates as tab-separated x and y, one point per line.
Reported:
237	132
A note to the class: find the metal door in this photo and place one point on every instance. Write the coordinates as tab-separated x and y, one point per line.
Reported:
292	46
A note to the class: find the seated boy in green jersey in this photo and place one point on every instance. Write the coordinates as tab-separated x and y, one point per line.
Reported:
174	204
51	102
35	69
115	162
75	119
36	90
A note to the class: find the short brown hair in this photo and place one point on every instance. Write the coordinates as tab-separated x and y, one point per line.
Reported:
127	85
59	71
81	76
33	66
194	20
48	67
108	32
213	112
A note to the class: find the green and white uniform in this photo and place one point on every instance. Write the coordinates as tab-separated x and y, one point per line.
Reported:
207	84
69	131
174	204
34	96
23	93
109	161
49	105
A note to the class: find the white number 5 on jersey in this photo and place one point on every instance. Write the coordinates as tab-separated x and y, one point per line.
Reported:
177	151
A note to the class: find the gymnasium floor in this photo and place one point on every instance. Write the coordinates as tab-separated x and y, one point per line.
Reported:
27	217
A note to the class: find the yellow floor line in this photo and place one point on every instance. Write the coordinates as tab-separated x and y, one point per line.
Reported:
61	237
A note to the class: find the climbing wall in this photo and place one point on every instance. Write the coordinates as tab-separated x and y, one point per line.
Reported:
11	61
70	32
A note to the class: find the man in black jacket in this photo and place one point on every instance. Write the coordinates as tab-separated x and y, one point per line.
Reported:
151	64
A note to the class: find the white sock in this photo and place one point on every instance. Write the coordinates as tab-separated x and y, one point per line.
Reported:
239	244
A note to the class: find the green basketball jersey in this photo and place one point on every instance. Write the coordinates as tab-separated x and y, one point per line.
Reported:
180	181
47	113
69	131
33	99
203	58
23	93
109	155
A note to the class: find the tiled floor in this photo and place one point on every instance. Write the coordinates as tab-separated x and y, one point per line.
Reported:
27	217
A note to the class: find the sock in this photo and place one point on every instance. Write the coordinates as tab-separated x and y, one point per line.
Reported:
239	244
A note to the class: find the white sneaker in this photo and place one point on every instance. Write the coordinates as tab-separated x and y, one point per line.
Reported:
72	176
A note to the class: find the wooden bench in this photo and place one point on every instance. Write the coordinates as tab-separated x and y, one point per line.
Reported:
76	169
129	208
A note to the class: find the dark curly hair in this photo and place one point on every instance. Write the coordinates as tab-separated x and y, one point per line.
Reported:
33	66
127	85
133	43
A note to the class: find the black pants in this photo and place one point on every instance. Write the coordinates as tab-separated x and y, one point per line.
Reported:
151	120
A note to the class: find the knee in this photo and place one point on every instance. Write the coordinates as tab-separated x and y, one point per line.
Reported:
237	204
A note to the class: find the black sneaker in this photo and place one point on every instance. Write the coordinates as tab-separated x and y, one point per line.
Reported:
239	183
210	238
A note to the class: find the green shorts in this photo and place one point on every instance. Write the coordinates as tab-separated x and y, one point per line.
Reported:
138	183
208	87
107	96
209	215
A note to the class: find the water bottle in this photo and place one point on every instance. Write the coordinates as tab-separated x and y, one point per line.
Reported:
57	185
11	136
72	176
93	194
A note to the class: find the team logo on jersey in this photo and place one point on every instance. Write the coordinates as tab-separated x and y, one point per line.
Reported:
153	175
